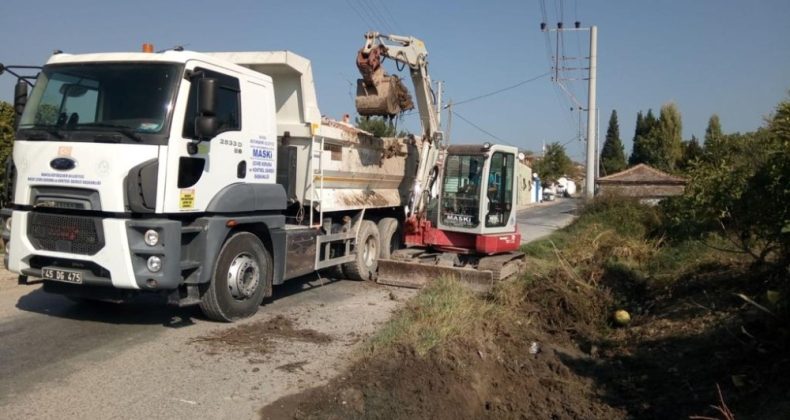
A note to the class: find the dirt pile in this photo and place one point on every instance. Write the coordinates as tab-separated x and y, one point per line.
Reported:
512	369
256	337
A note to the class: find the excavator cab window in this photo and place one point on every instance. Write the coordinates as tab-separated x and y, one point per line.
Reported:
500	189
461	190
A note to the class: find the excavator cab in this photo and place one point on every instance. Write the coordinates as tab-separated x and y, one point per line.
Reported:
478	193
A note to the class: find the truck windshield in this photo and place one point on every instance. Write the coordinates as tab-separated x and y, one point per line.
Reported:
102	102
461	192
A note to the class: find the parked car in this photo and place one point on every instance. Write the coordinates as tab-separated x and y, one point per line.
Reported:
549	194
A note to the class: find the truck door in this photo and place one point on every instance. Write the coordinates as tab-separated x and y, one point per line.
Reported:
199	169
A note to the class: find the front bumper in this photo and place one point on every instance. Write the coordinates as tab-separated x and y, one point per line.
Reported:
121	261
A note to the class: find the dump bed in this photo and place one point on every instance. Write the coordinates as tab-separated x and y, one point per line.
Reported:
328	164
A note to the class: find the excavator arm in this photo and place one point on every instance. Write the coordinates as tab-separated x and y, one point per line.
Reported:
383	95
411	52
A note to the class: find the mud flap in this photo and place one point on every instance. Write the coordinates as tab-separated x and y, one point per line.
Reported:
416	275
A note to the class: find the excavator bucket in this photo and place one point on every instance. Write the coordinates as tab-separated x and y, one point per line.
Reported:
377	93
416	271
387	97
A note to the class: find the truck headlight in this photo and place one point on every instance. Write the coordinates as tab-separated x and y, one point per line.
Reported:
8	224
154	264
151	237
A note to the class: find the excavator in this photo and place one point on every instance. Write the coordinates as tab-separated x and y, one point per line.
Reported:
461	218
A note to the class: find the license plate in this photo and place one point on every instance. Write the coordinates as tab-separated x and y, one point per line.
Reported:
57	274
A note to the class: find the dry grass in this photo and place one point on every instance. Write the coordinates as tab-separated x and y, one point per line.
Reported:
445	309
562	273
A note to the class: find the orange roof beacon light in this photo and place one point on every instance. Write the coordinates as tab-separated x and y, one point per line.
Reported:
148	48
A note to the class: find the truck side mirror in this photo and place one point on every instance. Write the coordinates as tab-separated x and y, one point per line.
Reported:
207	96
206	127
206	123
20	99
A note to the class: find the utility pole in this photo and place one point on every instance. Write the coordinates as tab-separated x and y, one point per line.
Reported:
439	87
589	187
592	157
449	122
597	143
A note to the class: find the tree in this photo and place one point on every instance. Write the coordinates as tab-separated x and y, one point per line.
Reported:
668	138
658	141
714	138
379	127
554	164
7	116
692	151
713	133
612	152
739	193
643	149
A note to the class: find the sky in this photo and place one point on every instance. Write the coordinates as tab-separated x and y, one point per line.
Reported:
727	57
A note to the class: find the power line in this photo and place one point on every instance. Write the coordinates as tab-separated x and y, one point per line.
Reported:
482	130
375	16
574	138
362	18
389	14
485	95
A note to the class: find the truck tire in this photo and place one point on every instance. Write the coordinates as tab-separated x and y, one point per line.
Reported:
390	237
335	272
239	280
366	262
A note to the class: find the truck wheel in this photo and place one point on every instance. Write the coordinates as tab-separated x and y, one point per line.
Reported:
390	237
239	279
334	272
367	253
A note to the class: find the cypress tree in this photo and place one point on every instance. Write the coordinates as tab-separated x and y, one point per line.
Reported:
641	152
612	152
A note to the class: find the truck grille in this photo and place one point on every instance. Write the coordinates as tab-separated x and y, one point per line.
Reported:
73	234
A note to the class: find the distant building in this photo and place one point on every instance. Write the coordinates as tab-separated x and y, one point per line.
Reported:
524	184
642	181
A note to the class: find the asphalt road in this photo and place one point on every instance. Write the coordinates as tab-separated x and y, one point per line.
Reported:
64	360
60	359
540	220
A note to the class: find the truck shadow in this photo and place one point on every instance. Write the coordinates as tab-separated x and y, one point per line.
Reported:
147	309
141	310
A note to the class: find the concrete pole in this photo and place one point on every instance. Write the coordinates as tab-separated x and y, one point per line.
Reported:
589	187
597	143
449	123
439	87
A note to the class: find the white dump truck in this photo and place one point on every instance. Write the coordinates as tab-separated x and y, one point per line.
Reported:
212	177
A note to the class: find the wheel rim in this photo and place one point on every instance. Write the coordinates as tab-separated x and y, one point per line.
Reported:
370	251
243	276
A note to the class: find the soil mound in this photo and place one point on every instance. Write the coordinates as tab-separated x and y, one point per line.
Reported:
513	369
256	337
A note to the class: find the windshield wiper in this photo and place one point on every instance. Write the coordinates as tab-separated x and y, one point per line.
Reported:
42	133
126	131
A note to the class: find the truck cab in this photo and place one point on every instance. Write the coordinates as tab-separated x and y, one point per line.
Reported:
132	169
